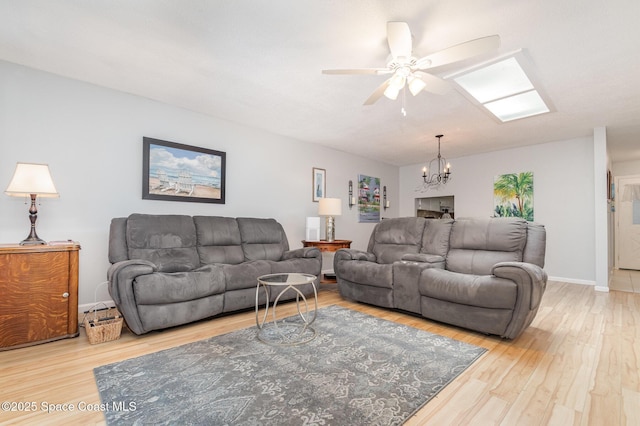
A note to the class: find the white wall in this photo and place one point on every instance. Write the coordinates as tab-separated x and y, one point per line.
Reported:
626	168
563	197
91	138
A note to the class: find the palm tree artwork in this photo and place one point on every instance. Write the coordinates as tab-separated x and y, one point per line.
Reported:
513	195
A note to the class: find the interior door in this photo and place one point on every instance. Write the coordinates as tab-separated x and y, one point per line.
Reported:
627	225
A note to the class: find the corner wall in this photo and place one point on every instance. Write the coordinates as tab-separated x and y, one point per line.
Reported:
91	137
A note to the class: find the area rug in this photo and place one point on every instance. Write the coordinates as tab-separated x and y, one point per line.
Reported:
359	370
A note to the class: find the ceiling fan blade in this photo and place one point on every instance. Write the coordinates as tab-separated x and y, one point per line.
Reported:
378	93
459	52
399	38
433	84
373	71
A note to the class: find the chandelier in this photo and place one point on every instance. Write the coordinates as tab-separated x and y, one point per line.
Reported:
438	172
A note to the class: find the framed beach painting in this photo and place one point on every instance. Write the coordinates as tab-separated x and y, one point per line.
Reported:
319	184
368	199
176	172
513	195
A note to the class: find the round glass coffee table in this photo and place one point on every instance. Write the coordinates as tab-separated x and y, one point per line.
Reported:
294	330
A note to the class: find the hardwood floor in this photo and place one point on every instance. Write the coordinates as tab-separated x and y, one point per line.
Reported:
578	364
625	280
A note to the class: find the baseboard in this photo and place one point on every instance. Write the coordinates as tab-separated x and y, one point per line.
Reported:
582	282
573	281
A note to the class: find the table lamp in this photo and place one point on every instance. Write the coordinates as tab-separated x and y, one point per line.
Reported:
330	207
32	180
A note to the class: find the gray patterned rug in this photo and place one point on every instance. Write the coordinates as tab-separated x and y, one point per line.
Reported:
359	370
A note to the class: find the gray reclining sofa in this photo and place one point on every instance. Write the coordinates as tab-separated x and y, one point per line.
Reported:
481	274
169	270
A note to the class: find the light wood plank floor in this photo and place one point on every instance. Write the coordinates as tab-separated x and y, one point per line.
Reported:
625	280
578	364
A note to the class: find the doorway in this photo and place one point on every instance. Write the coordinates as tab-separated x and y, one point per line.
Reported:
434	207
627	223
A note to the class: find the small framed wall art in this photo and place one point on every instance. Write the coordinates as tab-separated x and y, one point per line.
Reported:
513	195
368	199
319	184
176	172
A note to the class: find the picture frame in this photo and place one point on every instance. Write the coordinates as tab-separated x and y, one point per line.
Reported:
368	199
513	195
318	184
176	172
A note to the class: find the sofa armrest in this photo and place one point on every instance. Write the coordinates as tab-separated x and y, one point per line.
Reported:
523	273
422	257
353	254
114	270
305	252
531	281
121	276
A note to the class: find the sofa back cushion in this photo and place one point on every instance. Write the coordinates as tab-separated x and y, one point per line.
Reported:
478	244
392	238
262	239
168	241
218	240
435	239
118	240
534	250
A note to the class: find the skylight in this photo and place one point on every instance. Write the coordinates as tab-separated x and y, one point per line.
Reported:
503	88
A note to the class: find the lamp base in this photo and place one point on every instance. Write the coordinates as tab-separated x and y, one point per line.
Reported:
330	229
33	238
31	241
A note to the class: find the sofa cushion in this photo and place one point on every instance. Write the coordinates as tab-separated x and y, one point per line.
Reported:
118	251
262	239
245	275
161	288
168	241
435	238
304	265
218	240
485	291
368	273
535	248
393	238
478	244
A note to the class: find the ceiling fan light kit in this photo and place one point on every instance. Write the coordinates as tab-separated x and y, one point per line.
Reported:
408	71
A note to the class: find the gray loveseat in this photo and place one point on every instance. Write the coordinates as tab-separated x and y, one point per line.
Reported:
169	270
481	274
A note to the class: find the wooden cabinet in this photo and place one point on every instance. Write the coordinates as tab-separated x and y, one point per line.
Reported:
38	294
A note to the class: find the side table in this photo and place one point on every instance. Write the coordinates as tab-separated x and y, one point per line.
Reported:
286	331
328	247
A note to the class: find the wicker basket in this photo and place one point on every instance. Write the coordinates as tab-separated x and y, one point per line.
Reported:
103	325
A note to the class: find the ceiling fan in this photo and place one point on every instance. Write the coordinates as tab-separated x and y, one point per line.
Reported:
407	70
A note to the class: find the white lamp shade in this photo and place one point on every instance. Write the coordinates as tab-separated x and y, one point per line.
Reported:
30	178
330	207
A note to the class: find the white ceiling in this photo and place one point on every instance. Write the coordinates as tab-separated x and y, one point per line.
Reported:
259	63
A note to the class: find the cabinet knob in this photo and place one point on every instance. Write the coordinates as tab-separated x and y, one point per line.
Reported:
65	294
